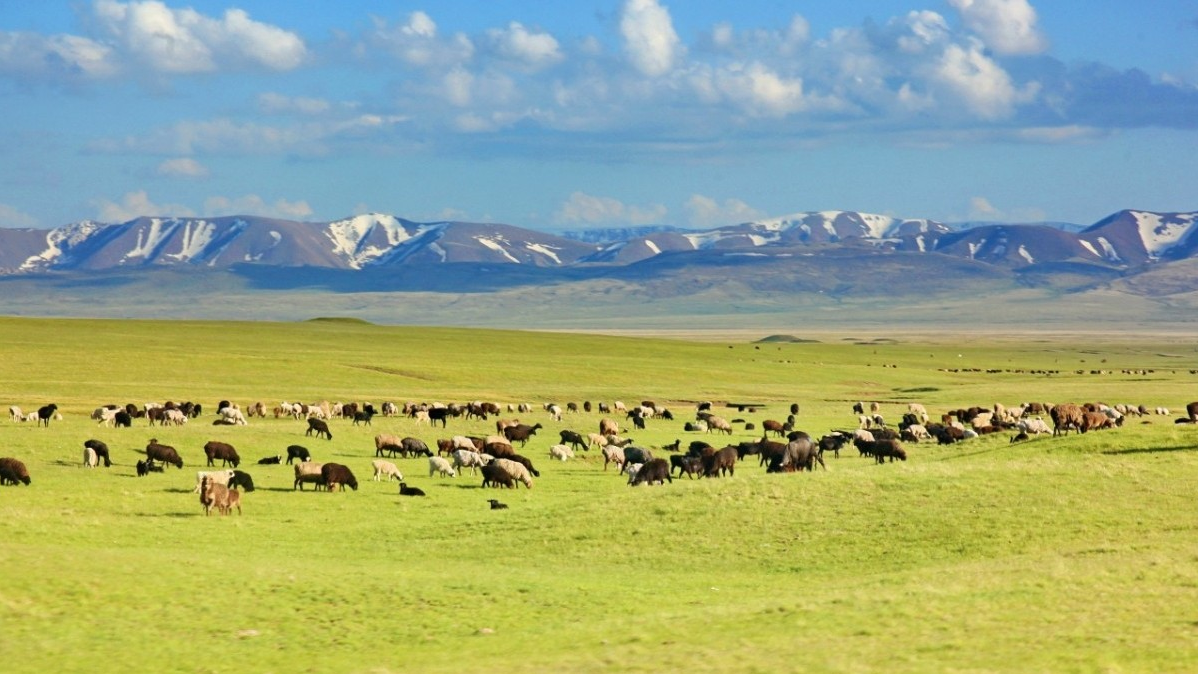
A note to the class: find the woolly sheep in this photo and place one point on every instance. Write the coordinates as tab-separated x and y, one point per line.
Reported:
613	454
465	458
387	469
561	452
438	464
220	477
308	471
517	470
89	458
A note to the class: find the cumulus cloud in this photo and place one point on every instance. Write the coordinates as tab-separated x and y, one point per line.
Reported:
181	41
417	42
55	58
531	49
252	204
980	208
761	91
586	209
978	81
1006	26
10	216
135	205
183	167
703	211
649	37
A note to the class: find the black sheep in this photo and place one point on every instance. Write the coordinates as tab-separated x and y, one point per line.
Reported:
270	460
405	490
336	473
241	479
298	452
319	427
45	412
163	453
496	505
100	449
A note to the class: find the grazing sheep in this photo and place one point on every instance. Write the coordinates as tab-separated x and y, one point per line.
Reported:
405	490
561	452
496	505
518	471
494	475
241	479
465	458
715	423
223	451
596	439
45	413
520	433
631	469
608	427
655	470
438	464
299	452
385	469
308	471
100	449
387	443
13	471
574	439
163	453
15	413
613	454
319	427
721	462
214	495
336	474
220	477
89	458
415	447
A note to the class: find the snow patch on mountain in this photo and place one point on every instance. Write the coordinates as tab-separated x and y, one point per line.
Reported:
352	237
151	237
547	251
653	247
59	241
495	245
196	237
1026	255
1160	233
1108	250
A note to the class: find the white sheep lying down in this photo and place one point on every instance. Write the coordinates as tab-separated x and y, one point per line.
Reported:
385	468
561	452
221	477
439	464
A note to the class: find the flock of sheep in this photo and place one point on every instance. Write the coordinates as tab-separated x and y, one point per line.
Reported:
495	458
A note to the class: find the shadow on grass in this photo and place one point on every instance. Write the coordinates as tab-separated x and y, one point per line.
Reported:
200	514
1151	450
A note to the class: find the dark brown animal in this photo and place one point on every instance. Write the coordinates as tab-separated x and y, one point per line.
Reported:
774	426
100	449
1093	421
520	433
13	471
720	462
1064	417
163	453
223	451
495	476
655	470
335	474
319	427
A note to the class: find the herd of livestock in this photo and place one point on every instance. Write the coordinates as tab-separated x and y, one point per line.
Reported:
780	448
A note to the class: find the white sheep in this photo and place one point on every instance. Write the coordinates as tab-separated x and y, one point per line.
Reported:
89	458
863	435
220	477
422	417
555	412
308	471
463	442
1034	426
15	413
613	454
466	458
561	452
632	469
596	440
919	431
516	470
385	468
438	464
230	413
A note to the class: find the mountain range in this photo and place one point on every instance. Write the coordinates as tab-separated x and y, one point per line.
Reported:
1125	241
834	267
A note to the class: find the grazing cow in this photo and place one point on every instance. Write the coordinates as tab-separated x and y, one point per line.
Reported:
100	449
223	451
319	427
45	413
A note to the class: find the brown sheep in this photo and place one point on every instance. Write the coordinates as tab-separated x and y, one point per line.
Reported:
1064	416
13	471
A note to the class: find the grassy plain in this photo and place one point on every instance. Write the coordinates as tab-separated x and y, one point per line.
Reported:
1066	554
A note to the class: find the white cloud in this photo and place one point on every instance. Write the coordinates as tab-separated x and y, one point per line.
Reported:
12	217
183	167
980	208
649	37
582	208
64	57
984	87
180	41
135	205
274	103
1006	26
761	91
921	29
252	204
533	50
417	43
457	85
704	211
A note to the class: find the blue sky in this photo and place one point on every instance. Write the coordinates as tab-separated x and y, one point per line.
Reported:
558	115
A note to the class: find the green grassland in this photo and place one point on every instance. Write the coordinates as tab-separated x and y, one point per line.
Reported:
1074	554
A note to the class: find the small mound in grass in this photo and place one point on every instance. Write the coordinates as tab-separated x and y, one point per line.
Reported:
786	339
340	319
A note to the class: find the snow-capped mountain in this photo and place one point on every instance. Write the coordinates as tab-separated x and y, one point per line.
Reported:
1125	240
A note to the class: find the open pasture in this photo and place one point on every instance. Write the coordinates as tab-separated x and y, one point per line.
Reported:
1057	554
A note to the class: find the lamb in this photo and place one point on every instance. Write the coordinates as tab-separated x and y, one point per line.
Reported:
561	452
100	449
596	439
385	469
270	460
13	471
405	490
220	477
438	464
335	474
89	458
465	458
308	471
496	505
517	470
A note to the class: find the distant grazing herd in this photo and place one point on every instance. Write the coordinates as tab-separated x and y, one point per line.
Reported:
494	456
